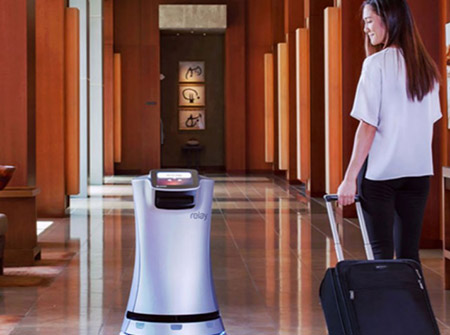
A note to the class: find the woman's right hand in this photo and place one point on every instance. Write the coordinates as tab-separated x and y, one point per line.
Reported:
346	192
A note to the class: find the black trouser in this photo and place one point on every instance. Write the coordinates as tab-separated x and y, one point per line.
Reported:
393	211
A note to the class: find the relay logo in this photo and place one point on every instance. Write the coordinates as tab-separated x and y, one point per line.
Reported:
199	216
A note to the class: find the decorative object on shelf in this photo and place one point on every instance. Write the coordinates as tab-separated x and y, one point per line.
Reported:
191	72
192	95
191	119
6	173
192	142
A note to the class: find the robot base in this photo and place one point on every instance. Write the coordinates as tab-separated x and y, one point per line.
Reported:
213	327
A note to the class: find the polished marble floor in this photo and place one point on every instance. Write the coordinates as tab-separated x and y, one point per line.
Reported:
270	246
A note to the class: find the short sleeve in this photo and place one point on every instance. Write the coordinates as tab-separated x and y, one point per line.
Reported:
435	104
367	104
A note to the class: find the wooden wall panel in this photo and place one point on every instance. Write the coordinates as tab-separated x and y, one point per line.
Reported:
150	97
316	28
117	108
333	99
268	108
294	19
278	36
352	58
50	171
447	11
294	14
127	41
72	101
17	90
283	107
108	99
131	113
353	55
235	88
430	21
303	107
259	42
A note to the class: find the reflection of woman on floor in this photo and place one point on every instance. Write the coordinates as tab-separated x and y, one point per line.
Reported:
397	103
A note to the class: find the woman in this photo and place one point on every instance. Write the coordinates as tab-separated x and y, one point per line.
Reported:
397	103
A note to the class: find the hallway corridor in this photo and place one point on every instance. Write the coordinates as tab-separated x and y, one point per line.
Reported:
270	246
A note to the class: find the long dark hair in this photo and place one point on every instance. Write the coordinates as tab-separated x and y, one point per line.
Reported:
421	70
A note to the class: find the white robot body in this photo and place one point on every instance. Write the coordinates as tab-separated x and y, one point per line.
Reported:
172	290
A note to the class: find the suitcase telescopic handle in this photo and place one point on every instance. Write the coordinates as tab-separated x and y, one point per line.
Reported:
329	199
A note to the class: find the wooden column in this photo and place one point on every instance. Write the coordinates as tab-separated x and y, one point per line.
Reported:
117	108
17	126
283	107
50	169
278	36
294	19
303	107
108	97
314	12
268	107
333	99
72	101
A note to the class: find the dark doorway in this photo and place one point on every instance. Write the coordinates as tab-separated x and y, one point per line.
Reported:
198	47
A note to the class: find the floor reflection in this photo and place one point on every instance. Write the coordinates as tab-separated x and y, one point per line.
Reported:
270	246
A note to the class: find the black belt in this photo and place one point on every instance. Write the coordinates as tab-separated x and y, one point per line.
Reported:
173	318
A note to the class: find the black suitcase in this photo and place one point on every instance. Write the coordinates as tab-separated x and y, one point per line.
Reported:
374	297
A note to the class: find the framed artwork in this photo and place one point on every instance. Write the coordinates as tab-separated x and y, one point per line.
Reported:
191	72
191	119
191	95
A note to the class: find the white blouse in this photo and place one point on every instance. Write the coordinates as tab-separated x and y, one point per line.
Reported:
402	142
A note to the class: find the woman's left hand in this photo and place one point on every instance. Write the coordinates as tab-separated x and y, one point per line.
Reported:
346	192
